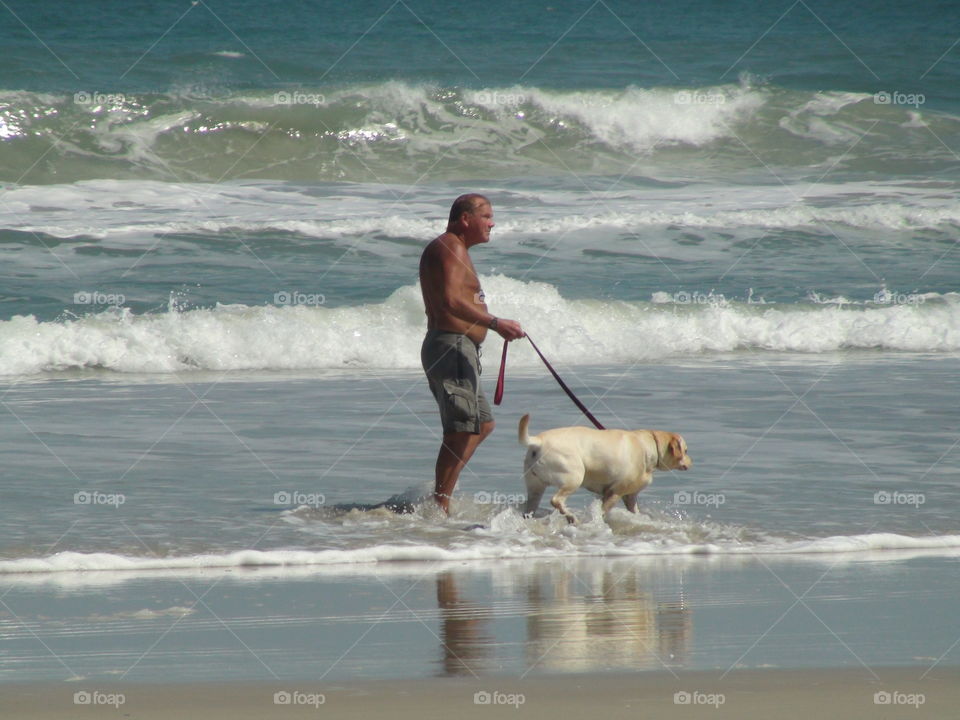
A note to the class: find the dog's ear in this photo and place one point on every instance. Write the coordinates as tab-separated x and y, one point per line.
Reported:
676	447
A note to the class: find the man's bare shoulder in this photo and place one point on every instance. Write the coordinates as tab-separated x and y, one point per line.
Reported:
445	248
446	243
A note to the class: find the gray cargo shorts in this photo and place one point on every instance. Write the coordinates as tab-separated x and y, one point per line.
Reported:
452	364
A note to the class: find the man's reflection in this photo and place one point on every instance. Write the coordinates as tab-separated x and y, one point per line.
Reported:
463	640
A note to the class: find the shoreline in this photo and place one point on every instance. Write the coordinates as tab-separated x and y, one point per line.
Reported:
752	693
461	621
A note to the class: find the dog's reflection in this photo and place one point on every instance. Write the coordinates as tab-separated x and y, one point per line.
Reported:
576	621
603	621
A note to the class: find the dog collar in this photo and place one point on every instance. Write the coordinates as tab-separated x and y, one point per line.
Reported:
657	445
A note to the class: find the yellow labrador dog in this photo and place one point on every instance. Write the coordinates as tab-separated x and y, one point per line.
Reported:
612	463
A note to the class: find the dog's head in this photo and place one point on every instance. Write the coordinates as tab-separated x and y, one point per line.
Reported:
673	455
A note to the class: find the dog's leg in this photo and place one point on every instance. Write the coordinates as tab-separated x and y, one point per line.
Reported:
558	502
631	502
535	484
610	499
535	490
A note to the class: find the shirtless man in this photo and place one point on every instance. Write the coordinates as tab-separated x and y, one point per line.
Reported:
457	322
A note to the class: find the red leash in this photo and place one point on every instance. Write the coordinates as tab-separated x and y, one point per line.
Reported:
498	394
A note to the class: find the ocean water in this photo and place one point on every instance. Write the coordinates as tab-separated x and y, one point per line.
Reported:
210	223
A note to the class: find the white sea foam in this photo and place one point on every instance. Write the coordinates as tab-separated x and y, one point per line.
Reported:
481	548
815	119
114	209
387	335
642	119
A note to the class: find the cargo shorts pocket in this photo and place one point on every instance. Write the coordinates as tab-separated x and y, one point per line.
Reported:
461	403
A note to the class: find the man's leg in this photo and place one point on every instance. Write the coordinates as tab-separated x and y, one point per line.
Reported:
455	453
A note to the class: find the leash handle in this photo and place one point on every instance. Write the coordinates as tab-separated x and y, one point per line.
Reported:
498	395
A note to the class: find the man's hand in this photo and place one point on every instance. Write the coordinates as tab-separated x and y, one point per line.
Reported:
509	329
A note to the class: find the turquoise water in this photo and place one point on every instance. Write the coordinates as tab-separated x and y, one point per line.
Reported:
150	47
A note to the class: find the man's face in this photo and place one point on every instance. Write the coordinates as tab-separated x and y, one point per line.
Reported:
480	223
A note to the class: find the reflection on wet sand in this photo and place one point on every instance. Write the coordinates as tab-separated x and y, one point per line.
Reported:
576	620
606	620
463	642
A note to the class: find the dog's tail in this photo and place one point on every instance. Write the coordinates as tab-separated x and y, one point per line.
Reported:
522	436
